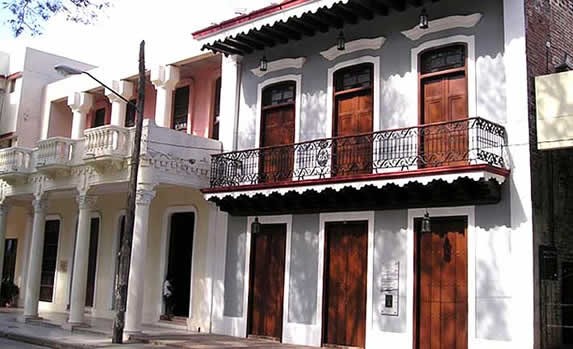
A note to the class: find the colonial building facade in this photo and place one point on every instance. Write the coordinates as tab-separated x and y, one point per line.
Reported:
375	186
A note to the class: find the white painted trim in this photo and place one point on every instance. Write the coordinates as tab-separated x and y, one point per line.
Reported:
470	66
297	102
340	217
165	235
353	46
282	219
280	64
375	92
219	322
380	183
469	212
441	24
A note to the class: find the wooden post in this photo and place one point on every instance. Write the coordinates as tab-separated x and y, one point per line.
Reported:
125	250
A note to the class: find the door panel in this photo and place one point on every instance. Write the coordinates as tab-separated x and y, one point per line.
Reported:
92	262
267	281
445	99
345	284
180	259
277	129
353	116
442	285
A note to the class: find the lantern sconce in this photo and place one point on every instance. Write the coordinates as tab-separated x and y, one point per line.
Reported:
340	42
263	64
423	19
256	226
426	224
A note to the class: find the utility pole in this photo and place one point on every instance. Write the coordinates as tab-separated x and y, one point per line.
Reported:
125	250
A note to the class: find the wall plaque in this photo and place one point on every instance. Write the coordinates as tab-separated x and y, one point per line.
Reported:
389	288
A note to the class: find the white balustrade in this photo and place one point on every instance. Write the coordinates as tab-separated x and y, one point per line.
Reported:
15	159
106	140
55	151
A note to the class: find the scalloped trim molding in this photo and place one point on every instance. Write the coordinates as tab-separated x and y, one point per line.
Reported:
424	180
280	64
443	23
353	46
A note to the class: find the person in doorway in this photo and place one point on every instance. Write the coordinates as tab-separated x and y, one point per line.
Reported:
168	297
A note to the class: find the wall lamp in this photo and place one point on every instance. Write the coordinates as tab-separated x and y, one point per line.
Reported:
263	64
423	19
256	226
340	42
426	225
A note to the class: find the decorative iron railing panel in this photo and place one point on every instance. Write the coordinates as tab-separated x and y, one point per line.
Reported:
455	143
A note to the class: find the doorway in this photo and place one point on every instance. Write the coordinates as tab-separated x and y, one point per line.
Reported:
441	286
267	269
444	94
49	259
180	258
344	310
9	266
92	261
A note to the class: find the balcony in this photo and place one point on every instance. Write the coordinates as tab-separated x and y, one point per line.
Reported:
55	156
107	146
473	148
15	164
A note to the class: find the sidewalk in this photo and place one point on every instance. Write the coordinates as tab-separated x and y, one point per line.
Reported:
49	333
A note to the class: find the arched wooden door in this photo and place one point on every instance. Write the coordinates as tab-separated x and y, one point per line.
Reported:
277	130
353	109
444	92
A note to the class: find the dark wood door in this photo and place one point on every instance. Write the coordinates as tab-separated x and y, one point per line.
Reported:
92	262
441	285
445	99
353	117
49	259
267	281
277	130
566	300
180	259
345	284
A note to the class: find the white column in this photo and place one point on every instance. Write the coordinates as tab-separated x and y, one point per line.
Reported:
3	218
118	105
35	260
79	278
134	309
24	258
164	78
230	92
80	104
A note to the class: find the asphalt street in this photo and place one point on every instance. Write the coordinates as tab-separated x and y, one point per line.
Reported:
8	344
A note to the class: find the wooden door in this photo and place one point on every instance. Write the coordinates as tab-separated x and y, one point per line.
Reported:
92	262
49	259
444	99
180	259
277	130
441	285
345	284
267	281
353	116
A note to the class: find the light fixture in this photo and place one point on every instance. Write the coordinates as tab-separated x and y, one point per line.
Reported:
426	226
423	19
256	226
340	42
263	64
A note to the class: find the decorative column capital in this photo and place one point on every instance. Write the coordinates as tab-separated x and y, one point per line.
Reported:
144	196
165	76
86	202
124	88
80	102
40	204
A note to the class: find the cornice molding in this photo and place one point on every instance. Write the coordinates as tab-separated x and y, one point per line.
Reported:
354	46
443	23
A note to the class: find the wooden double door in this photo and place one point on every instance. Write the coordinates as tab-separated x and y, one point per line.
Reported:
441	288
266	293
344	313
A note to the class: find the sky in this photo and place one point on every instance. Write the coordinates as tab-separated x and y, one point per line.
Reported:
114	39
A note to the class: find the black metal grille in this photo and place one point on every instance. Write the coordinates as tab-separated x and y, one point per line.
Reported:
457	143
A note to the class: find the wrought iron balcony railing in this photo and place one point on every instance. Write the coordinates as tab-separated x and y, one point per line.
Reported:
465	142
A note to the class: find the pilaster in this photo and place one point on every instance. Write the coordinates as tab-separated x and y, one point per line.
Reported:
164	78
118	105
80	104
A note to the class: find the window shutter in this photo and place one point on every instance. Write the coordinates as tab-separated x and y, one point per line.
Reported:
180	108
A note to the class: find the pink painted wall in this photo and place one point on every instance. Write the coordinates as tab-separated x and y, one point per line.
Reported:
202	96
100	101
60	119
150	98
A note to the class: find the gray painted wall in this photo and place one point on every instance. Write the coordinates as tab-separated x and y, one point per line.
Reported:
235	266
398	107
303	269
390	247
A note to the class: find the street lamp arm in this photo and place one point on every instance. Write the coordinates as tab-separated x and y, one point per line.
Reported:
110	89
